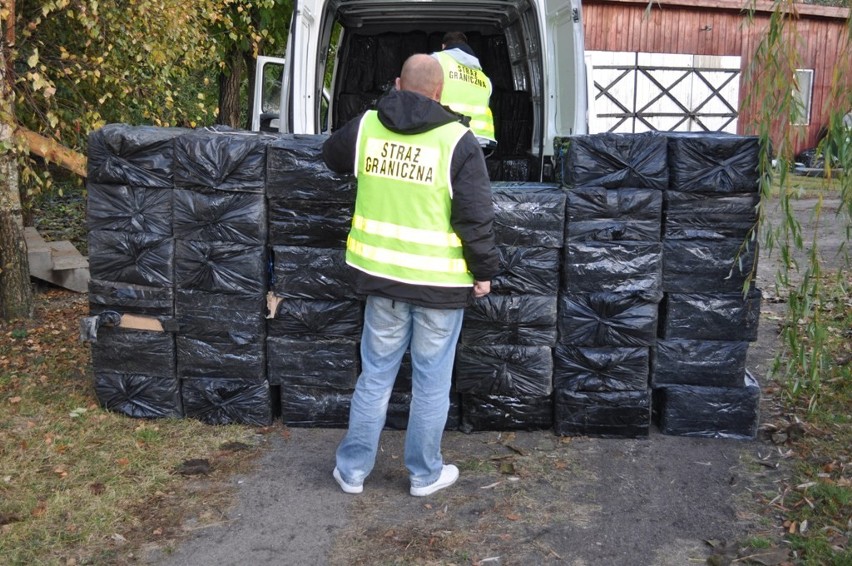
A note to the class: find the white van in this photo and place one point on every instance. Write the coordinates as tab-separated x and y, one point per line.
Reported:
342	55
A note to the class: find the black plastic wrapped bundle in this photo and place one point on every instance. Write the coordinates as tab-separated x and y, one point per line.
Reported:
527	271
522	320
227	401
513	123
315	407
318	224
351	104
328	364
517	371
717	363
215	216
137	156
528	214
361	64
310	319
394	49
131	257
123	208
600	369
709	412
711	316
224	160
138	395
495	61
613	161
241	318
600	214
400	406
615	267
295	170
702	216
713	162
404	375
612	414
220	267
707	266
234	357
517	169
134	351
125	298
504	412
608	319
311	273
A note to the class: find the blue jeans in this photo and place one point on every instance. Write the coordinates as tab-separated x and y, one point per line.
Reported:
391	327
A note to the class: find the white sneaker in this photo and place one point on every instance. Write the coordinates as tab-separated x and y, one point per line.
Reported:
449	475
346	487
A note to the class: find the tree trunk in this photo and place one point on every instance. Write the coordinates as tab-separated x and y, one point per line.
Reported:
16	293
251	68
230	81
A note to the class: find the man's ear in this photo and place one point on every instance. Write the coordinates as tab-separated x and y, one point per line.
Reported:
438	92
397	84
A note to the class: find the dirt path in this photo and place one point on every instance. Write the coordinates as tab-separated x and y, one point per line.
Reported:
523	498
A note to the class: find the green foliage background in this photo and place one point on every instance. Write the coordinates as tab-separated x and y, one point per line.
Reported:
80	64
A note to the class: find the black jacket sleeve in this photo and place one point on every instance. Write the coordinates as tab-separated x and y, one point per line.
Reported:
338	151
472	215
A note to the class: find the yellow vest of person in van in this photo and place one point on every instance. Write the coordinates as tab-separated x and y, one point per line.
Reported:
467	91
401	225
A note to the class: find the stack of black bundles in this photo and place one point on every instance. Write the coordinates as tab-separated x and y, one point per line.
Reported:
131	257
313	337
504	362
220	229
611	283
513	123
707	320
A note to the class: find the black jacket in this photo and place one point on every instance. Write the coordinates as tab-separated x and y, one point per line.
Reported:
472	213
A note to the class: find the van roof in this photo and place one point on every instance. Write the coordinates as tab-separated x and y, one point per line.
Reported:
404	15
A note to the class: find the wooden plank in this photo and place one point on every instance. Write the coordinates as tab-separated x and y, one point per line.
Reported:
53	151
761	6
66	256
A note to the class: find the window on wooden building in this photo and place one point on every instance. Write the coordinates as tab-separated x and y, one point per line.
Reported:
803	87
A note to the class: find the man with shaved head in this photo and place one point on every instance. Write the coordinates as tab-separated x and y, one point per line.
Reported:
422	247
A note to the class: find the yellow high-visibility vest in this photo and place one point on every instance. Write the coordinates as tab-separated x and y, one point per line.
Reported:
401	226
468	91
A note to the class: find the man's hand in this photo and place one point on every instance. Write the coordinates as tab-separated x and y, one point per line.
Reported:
481	288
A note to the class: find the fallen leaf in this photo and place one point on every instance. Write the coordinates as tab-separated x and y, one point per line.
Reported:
507	468
97	488
40	509
118	538
6	518
157	532
194	467
768	557
122	461
234	447
15	400
513	516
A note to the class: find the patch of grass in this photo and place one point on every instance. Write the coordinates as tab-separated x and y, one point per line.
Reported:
817	502
802	187
757	542
78	483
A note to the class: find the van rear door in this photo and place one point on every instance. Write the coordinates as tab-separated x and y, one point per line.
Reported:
565	71
296	87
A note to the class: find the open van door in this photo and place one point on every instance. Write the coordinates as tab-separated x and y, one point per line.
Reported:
565	70
271	95
291	81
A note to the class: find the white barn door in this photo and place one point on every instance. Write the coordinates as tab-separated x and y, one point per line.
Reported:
640	92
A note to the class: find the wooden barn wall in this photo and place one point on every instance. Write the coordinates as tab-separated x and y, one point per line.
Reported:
621	25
